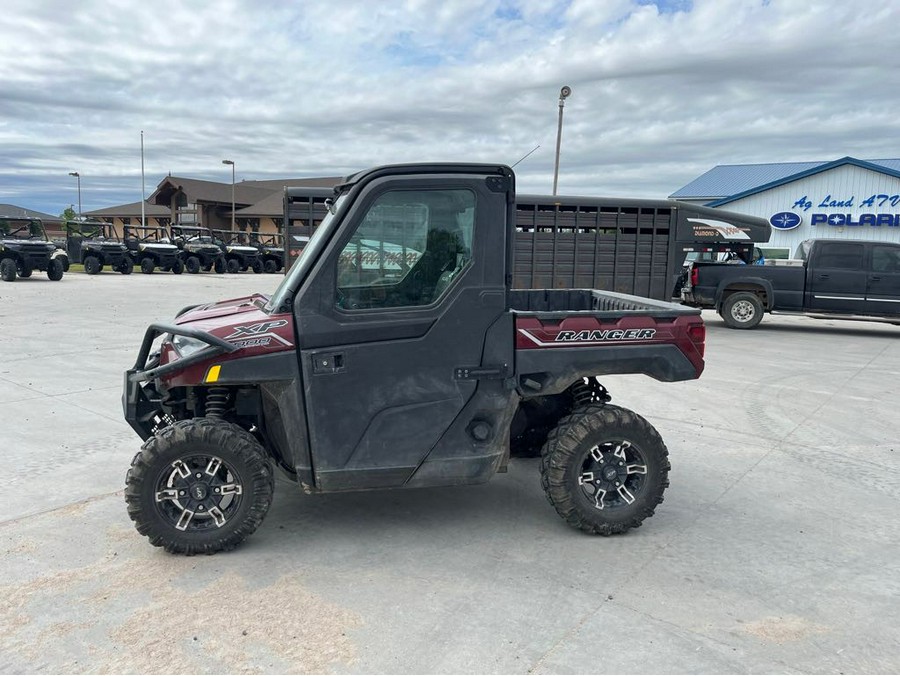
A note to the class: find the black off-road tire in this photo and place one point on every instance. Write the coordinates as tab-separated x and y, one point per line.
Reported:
219	265
8	270
233	266
24	271
632	453
192	265
257	266
191	443
742	310
54	270
177	266
126	267
92	265
270	266
147	265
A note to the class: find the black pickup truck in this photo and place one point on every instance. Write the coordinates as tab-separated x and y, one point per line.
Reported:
840	278
394	354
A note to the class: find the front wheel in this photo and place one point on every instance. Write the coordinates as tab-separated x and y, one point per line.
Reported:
55	270
270	266
92	265
219	266
192	265
233	266
742	310
8	270
177	266
604	469
199	486
25	271
147	265
127	266
257	266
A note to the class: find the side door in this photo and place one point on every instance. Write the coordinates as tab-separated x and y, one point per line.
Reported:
837	278
394	313
883	291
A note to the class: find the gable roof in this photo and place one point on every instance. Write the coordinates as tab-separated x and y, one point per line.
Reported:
726	183
13	211
198	190
132	209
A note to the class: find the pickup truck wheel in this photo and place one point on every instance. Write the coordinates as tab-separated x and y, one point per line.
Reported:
199	486
742	310
604	469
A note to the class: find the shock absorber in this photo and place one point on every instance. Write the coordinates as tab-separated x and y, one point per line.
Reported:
216	402
589	391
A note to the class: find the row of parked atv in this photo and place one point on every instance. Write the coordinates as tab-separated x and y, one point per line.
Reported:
96	245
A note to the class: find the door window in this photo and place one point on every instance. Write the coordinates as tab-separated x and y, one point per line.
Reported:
885	259
841	257
408	249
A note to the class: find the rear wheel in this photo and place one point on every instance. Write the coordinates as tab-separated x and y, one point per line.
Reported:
147	265
24	271
742	310
55	270
604	469
91	265
192	265
177	267
8	270
270	266
127	266
199	486
233	265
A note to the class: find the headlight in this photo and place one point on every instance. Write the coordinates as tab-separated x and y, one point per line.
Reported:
187	346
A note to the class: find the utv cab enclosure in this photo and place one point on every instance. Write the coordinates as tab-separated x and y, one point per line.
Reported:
151	248
271	251
24	247
96	245
394	354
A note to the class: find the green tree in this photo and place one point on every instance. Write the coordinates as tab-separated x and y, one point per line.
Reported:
69	214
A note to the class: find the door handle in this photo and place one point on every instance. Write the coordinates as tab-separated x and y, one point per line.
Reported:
823	277
328	362
875	278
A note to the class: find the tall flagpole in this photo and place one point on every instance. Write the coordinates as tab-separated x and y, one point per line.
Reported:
143	192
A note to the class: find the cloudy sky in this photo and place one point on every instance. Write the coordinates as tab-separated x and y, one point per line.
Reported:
662	91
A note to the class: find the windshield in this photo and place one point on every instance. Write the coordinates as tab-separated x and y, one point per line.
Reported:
301	266
21	229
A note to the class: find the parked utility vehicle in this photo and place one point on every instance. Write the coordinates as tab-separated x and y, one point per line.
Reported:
240	254
200	247
271	251
96	245
394	354
151	248
24	247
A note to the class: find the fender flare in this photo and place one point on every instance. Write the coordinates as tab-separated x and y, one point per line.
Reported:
744	282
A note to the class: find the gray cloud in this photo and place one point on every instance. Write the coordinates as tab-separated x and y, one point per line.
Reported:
661	93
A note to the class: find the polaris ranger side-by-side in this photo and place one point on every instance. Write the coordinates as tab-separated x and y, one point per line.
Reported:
151	248
200	248
240	255
394	354
271	251
24	247
96	245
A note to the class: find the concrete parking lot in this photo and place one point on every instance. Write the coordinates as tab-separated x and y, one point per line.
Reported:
776	549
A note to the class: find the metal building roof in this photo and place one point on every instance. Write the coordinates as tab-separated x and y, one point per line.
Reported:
726	180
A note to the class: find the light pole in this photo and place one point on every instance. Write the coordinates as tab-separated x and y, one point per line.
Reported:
78	179
564	93
231	162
